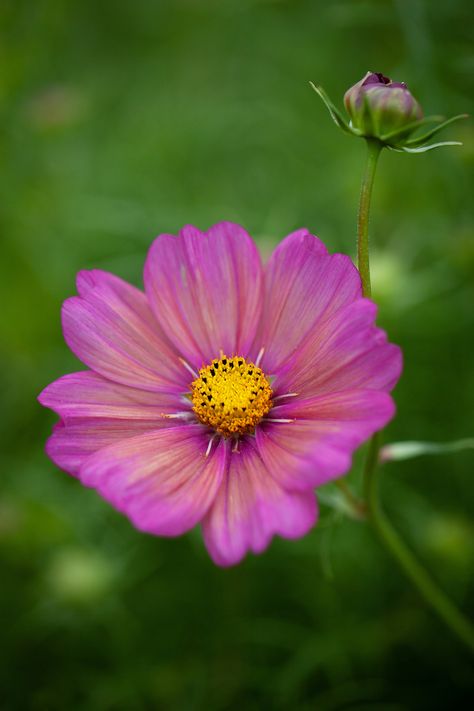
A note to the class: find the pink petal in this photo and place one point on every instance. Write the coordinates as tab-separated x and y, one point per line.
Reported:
73	443
251	507
87	394
96	412
162	480
206	290
304	287
346	352
317	445
111	328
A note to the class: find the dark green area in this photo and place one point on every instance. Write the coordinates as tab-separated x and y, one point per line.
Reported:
121	120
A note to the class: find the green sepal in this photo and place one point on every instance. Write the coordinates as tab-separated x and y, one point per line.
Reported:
333	111
409	128
423	149
418	140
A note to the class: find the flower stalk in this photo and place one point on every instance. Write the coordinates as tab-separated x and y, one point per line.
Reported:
374	148
426	586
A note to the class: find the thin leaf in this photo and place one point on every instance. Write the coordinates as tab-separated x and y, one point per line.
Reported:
429	134
423	149
397	451
334	112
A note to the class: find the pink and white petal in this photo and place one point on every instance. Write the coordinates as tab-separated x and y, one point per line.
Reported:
251	507
317	444
346	352
162	480
111	329
96	412
205	289
304	287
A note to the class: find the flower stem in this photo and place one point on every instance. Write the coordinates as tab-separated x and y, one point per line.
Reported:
374	148
426	586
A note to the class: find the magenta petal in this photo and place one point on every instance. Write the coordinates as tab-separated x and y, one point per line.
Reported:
205	290
87	394
111	328
161	480
251	507
73	443
96	412
346	352
317	445
304	287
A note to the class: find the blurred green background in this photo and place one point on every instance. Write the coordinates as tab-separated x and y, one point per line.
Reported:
121	120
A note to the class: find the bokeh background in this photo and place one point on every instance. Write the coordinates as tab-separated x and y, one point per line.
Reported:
121	120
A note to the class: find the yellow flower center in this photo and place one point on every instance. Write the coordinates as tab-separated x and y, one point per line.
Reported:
231	395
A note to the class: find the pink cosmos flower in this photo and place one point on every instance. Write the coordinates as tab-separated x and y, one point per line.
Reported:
226	392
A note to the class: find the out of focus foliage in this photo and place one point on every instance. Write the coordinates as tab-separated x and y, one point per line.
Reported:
124	119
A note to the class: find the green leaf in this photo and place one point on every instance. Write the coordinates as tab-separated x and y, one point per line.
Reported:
397	451
334	112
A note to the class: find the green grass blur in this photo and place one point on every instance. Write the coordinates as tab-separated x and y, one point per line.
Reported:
120	120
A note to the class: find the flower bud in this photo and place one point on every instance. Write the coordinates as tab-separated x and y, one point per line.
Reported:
379	107
385	110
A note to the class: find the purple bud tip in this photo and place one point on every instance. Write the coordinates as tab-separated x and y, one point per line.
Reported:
379	78
376	78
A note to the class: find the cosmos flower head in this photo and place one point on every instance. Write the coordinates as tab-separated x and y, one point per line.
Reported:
227	391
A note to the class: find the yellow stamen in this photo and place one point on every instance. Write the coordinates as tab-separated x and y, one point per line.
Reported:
231	395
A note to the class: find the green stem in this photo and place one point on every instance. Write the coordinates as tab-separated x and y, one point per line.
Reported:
426	586
373	151
429	590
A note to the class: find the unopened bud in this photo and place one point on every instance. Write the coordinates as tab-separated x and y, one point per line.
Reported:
384	110
378	107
